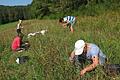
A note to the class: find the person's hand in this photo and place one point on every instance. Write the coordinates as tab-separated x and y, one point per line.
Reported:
22	27
64	25
82	72
71	59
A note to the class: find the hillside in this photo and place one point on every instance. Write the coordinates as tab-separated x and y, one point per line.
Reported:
49	53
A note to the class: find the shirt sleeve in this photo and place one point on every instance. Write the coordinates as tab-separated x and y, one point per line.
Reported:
65	19
94	51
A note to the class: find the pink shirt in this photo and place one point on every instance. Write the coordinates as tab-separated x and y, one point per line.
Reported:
16	43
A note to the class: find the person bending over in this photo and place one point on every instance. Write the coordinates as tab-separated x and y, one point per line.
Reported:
68	21
91	51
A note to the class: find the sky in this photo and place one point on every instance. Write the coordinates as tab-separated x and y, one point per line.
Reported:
15	2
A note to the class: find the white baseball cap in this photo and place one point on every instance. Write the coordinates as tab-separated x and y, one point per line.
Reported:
79	46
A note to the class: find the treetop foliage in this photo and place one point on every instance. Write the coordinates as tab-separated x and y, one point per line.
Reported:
55	8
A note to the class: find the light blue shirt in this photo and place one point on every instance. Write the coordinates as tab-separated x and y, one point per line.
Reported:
95	51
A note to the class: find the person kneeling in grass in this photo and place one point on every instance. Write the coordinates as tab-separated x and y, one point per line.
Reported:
91	52
19	45
68	21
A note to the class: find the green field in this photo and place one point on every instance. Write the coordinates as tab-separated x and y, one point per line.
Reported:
49	53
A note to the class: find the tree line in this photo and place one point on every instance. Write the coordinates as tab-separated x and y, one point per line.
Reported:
10	14
42	8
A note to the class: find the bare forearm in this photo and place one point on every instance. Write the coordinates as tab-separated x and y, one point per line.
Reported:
65	24
90	67
72	54
71	58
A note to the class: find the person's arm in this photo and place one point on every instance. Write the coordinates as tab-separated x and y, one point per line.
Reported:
71	29
90	67
72	55
64	25
21	26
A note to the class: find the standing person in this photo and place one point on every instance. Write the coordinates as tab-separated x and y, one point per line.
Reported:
19	45
68	21
19	27
91	52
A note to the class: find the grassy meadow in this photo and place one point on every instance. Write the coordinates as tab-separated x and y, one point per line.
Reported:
49	54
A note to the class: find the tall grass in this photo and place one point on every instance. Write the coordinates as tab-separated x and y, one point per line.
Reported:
49	54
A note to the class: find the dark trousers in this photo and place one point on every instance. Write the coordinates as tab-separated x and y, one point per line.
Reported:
18	31
22	47
112	69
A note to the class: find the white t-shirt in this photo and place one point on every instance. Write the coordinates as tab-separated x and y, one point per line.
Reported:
19	26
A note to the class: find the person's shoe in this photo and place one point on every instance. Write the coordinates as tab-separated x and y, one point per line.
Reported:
20	50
